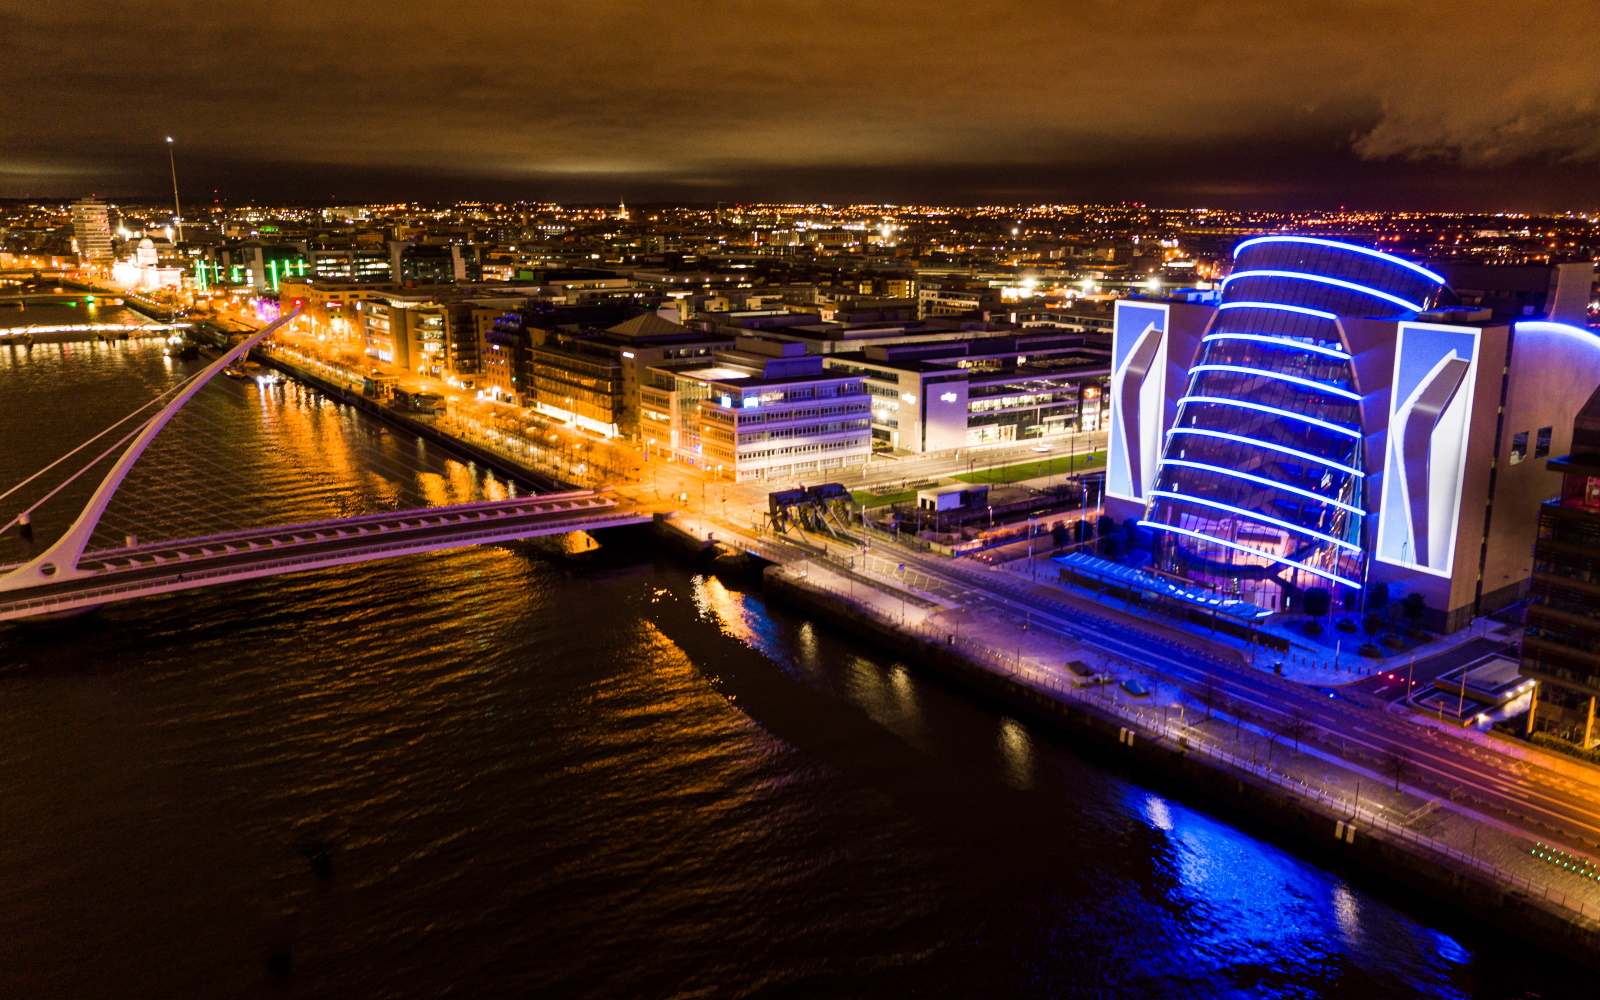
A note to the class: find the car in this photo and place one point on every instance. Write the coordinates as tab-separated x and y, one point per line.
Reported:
1331	693
1041	447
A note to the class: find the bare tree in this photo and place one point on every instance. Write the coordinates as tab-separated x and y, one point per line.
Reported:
1208	694
1396	762
1298	726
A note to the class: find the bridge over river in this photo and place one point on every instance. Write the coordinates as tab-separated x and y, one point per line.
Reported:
74	574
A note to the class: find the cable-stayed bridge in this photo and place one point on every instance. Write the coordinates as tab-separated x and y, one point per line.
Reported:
194	527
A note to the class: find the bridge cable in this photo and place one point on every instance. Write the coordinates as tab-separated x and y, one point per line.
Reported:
92	440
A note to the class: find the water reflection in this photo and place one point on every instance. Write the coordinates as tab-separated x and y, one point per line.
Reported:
1243	904
1016	751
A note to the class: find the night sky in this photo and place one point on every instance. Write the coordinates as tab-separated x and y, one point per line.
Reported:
1460	105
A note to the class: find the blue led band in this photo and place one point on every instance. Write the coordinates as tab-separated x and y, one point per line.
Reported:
1388	258
1280	376
1279	307
1258	443
1545	326
1257	516
1245	548
1336	428
1304	276
1280	341
1234	473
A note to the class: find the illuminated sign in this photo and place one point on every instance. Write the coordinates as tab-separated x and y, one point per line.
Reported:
1425	463
1138	399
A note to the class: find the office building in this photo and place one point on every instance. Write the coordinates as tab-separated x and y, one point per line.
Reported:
91	231
853	331
1344	417
591	377
1561	639
437	331
947	395
765	411
329	306
954	296
352	264
433	263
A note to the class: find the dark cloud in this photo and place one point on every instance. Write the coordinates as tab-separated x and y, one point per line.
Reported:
1356	101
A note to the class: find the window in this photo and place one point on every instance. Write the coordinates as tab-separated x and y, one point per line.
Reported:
1519	447
1541	447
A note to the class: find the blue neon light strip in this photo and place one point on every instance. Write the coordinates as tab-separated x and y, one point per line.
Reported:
1336	428
1257	443
1236	474
1245	548
1302	310
1280	376
1545	326
1281	341
1258	516
1304	276
1390	258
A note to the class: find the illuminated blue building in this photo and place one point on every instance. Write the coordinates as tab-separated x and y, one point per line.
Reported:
1337	419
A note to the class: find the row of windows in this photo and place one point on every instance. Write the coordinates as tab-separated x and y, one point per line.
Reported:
746	418
803	449
1011	402
805	431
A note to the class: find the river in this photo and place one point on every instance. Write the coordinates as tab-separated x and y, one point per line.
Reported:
539	776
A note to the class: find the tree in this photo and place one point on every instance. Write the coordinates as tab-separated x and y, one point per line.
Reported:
1111	546
1414	606
1058	534
1318	601
1298	726
1105	526
1398	764
1080	530
1130	530
1377	597
1209	694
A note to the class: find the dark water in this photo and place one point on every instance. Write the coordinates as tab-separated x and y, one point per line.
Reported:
621	779
64	315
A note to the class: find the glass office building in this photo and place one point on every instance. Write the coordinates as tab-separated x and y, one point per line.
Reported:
1261	490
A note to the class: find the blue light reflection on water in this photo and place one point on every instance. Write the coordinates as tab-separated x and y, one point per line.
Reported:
1238	903
1205	909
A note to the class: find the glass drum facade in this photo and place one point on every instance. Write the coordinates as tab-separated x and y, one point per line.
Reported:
1261	489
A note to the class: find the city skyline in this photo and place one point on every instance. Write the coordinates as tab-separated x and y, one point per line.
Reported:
767	499
1225	105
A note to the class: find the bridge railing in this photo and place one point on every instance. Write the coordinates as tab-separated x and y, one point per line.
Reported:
484	533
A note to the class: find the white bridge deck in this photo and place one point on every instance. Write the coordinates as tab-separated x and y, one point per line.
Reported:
164	567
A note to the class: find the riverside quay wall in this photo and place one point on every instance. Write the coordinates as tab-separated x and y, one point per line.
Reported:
1325	826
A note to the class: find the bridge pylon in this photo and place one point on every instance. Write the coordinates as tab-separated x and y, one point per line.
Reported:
60	561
